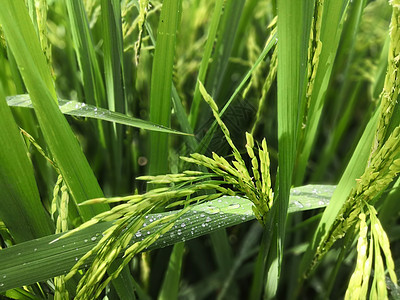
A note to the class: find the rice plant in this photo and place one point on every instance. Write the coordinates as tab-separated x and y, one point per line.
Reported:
199	149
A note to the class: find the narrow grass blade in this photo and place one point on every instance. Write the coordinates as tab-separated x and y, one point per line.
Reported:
38	260
92	81
294	21
20	207
161	84
223	47
79	109
170	285
354	170
183	120
205	60
88	64
63	145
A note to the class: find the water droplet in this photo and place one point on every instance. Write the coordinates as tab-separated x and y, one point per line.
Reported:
208	219
35	249
138	234
179	232
1	284
212	210
298	204
183	225
233	206
93	238
202	215
203	225
295	192
19	253
321	202
4	276
76	259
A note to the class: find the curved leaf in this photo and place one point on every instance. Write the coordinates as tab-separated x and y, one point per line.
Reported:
80	109
38	260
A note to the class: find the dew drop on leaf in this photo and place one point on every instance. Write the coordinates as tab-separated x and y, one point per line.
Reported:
298	204
212	210
234	205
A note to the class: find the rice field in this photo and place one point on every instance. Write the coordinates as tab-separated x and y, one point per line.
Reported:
192	149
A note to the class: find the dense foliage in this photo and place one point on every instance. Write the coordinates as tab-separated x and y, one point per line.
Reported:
259	139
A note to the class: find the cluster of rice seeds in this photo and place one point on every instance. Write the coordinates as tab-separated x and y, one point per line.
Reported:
315	47
59	205
114	240
314	52
129	216
360	277
256	188
390	92
143	8
391	86
112	244
383	168
378	243
384	162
